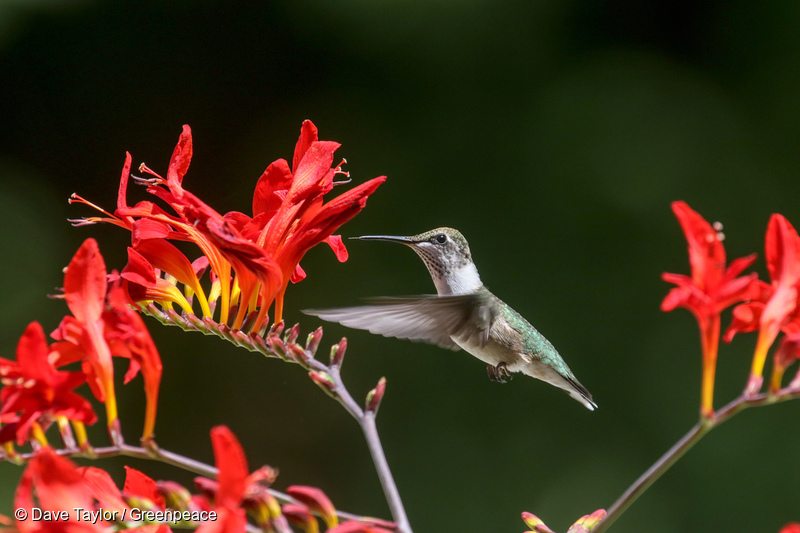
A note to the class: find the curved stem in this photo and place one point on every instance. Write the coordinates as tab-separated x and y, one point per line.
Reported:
679	449
366	419
291	352
384	473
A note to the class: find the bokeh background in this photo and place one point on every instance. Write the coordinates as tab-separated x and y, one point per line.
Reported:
553	134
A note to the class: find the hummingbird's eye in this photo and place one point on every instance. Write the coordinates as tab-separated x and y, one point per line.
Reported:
441	238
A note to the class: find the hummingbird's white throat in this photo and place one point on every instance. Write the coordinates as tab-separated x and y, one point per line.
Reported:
451	270
463	279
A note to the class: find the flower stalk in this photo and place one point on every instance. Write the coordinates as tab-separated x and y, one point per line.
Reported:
680	448
174	459
327	377
710	330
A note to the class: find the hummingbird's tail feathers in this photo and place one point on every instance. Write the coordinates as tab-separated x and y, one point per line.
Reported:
563	379
580	393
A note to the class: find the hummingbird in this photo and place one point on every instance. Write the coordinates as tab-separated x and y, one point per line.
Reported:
463	314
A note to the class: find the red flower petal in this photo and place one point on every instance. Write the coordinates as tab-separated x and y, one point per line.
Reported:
179	162
32	352
706	253
782	251
85	282
232	464
312	170
122	192
167	258
277	177
338	247
141	485
308	136
103	488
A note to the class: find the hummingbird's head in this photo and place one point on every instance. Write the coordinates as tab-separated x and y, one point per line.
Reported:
446	254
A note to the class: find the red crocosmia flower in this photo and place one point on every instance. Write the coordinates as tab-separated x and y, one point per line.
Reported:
85	293
127	336
35	392
251	258
711	288
232	485
788	352
104	324
58	486
791	528
775	306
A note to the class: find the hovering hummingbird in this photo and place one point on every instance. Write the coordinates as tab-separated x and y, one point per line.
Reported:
464	314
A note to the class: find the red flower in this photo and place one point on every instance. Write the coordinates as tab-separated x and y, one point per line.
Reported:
104	324
231	486
53	483
85	293
35	392
127	336
59	487
791	528
711	288
251	258
788	352
775	306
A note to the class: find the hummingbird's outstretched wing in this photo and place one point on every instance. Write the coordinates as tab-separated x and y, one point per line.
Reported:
428	318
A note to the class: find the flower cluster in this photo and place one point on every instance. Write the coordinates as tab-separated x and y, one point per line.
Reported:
770	308
86	499
250	259
38	391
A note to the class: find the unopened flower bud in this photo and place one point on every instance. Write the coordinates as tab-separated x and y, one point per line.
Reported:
175	496
299	516
535	523
313	340
588	522
276	345
208	487
292	334
338	351
316	501
276	329
375	396
298	353
323	380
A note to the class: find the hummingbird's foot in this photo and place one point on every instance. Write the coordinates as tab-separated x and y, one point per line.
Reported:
499	373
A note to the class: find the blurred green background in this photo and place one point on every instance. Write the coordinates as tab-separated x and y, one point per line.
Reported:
553	134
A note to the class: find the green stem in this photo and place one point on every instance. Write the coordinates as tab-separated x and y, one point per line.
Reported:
679	449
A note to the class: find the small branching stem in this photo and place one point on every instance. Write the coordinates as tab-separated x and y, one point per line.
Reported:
336	389
366	419
679	449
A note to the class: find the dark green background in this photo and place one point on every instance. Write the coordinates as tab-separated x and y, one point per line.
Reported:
553	134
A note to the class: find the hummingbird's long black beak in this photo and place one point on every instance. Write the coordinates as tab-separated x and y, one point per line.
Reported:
387	238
